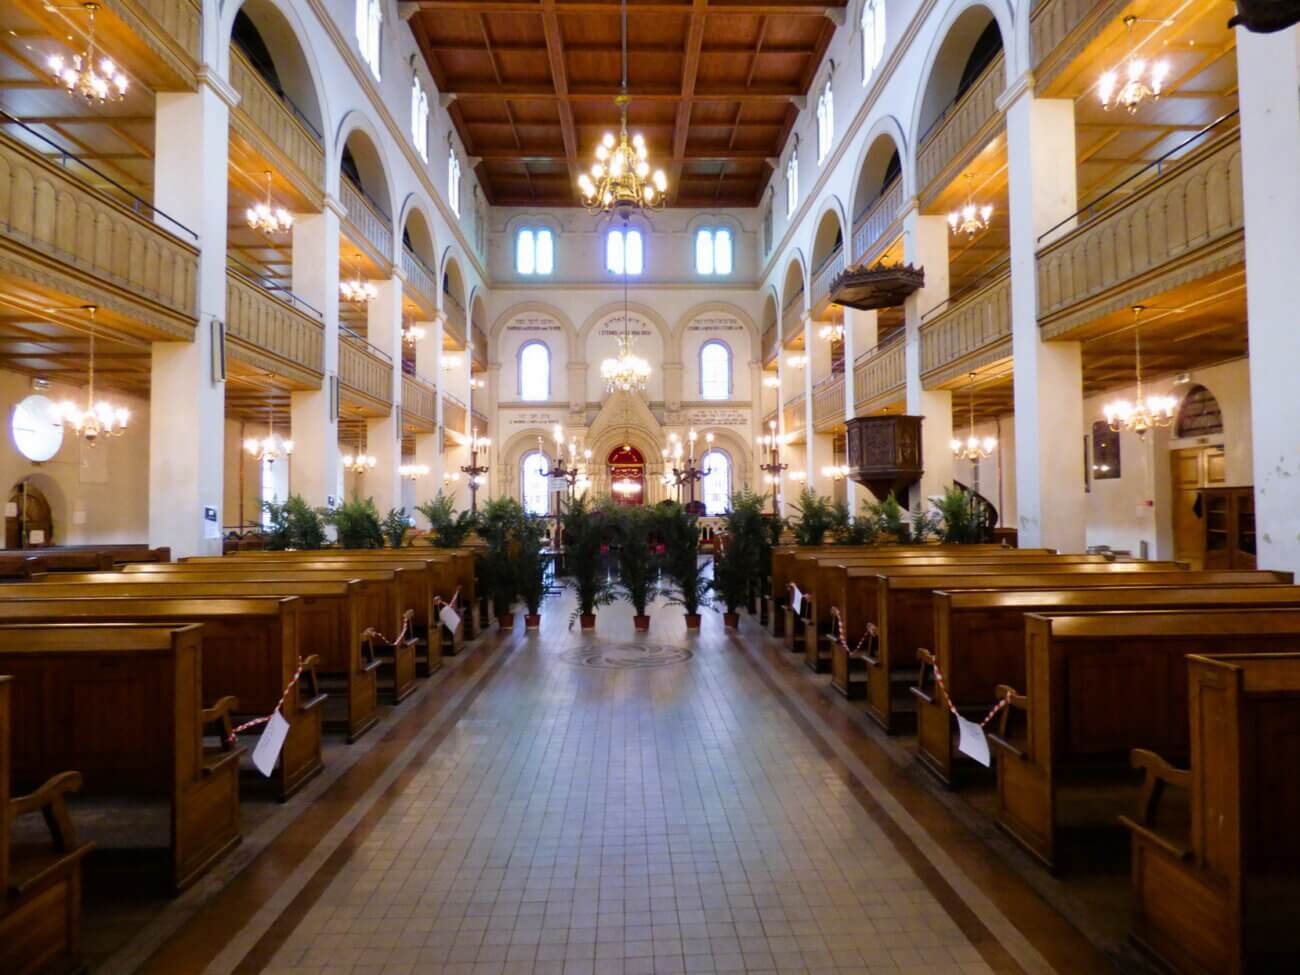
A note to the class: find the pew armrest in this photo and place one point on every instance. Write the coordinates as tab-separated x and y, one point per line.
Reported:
48	801
1159	776
925	675
1002	736
310	694
219	715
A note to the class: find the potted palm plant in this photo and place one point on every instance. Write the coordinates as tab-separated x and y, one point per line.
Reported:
294	525
585	530
732	564
497	525
447	528
689	587
638	563
395	526
530	567
816	518
357	524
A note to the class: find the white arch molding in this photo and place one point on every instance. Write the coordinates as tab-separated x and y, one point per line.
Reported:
498	326
889	127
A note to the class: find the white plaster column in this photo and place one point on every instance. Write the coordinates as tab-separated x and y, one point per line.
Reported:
1048	375
187	401
1268	69
384	434
925	244
314	423
860	333
753	477
818	369
428	449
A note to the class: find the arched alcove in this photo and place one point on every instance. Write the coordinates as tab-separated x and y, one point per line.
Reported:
793	286
972	42
361	164
881	167
829	237
417	237
1199	414
268	42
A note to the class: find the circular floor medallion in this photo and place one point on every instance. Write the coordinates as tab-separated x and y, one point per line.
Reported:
626	656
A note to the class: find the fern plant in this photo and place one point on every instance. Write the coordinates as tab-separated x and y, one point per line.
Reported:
960	524
357	523
816	517
294	525
689	587
449	529
888	515
586	529
395	526
498	524
530	564
638	565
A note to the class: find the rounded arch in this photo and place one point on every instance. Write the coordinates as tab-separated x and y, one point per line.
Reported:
709	363
955	55
534	384
360	148
770	309
884	151
737	448
478	310
634	308
795	282
567	330
453	282
283	32
417	232
831	232
1199	414
713	307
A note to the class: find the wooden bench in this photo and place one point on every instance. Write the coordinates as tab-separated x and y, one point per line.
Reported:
1097	686
1223	896
40	887
384	611
251	651
979	643
335	611
87	558
123	704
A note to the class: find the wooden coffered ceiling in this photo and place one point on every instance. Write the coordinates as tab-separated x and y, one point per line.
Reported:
715	85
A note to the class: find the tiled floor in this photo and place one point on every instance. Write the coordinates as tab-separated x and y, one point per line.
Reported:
563	804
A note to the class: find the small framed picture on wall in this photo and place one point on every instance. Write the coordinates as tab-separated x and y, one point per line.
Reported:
1105	452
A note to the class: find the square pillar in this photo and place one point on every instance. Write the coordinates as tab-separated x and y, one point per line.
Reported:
1268	69
1049	483
925	244
314	422
860	335
384	434
187	398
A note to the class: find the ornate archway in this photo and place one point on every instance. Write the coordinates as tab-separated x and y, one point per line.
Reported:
626	467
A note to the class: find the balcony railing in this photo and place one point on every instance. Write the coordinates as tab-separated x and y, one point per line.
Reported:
420	279
872	225
478	347
478	420
879	375
364	368
969	331
792	317
1059	30
828	403
825	273
179	21
90	230
366	219
454	313
453	413
955	132
1186	212
420	399
271	123
272	333
771	344
793	412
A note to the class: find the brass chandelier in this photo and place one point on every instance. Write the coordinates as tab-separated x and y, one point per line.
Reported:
620	180
1142	80
267	218
1145	412
95	82
271	447
972	219
97	420
973	448
358	291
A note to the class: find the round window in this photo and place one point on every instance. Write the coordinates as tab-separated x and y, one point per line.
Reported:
37	428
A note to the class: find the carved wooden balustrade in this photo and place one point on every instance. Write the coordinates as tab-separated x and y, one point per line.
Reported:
269	332
770	345
169	30
828	403
792	316
364	370
1183	223
961	131
478	348
877	227
420	281
420	401
1059	30
454	413
825	274
968	332
794	420
72	242
454	313
878	375
368	227
267	122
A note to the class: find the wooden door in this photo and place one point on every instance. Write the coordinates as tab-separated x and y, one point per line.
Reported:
1187	469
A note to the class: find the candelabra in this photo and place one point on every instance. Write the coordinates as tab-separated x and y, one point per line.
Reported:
571	473
771	442
474	471
687	474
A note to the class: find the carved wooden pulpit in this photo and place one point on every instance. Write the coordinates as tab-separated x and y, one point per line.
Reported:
885	454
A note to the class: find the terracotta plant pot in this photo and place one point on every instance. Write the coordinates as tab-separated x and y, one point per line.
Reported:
532	621
588	621
506	620
642	623
692	621
731	620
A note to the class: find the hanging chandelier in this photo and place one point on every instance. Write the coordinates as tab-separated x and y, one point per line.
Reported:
626	372
973	448
1142	79
359	463
102	82
971	219
271	447
266	218
620	180
413	333
1145	412
358	291
413	472
832	332
97	420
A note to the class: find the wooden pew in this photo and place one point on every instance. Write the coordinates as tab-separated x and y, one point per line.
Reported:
251	651
40	888
384	615
979	643
335	610
123	704
1224	895
1098	685
20	566
87	558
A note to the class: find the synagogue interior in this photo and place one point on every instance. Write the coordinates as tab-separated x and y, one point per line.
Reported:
650	487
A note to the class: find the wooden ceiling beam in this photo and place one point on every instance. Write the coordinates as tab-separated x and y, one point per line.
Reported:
690	71
560	79
607	93
790	8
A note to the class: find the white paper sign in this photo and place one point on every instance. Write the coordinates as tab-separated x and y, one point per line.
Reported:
971	741
36	536
796	599
11	509
450	618
268	746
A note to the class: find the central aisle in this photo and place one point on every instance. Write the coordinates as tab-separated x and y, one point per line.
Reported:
624	806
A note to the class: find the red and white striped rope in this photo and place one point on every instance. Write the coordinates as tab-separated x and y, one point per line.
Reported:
839	634
943	690
255	722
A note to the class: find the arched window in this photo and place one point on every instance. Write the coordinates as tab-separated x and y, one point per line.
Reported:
792	181
453	180
623	250
535	372
717	482
825	121
1198	414
715	370
713	251
534	251
535	488
369	18
419	118
873	37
